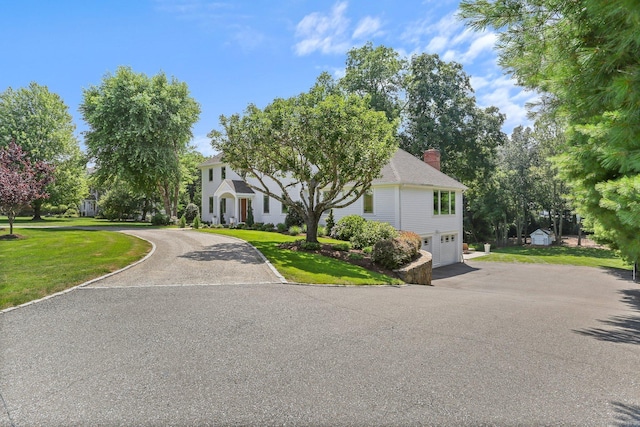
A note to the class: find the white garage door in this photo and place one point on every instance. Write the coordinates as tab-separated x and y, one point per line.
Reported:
448	249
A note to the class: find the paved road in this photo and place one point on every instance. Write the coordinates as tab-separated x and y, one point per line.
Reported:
490	344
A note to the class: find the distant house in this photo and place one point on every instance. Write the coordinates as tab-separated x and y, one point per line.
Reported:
411	195
542	237
89	205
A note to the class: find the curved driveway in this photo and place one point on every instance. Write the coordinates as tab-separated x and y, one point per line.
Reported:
489	344
185	257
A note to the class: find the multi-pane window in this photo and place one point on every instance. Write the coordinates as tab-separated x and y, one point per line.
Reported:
210	174
223	206
223	172
210	203
444	202
265	204
368	201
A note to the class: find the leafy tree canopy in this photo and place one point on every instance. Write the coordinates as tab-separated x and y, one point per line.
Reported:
325	145
139	128
39	121
21	180
584	56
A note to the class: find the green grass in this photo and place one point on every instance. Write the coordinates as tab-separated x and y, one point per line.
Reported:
588	257
51	260
67	222
305	267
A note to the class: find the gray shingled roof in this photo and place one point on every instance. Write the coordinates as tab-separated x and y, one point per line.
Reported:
405	168
211	161
239	186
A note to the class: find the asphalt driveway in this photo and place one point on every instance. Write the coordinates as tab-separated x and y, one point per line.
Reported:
489	344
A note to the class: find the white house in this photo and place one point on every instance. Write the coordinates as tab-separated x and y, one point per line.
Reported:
411	195
542	237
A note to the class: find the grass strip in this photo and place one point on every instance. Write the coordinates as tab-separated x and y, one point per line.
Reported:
560	255
47	261
306	267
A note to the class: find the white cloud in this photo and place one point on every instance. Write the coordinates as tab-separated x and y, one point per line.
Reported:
367	26
437	44
330	32
481	44
325	33
202	143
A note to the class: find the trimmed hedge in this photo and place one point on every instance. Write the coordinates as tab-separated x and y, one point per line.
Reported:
371	232
347	227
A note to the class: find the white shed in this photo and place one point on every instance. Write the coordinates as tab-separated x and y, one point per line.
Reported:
542	237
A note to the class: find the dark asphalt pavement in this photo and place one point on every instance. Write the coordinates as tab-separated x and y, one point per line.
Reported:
489	344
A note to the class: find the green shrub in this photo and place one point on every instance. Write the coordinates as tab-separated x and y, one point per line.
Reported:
250	220
160	219
190	212
367	250
295	230
281	227
347	227
71	213
346	246
258	226
183	221
413	240
268	227
371	232
322	231
392	253
293	218
355	256
309	246
196	222
330	222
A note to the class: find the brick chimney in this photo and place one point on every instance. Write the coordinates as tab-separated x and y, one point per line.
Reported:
432	158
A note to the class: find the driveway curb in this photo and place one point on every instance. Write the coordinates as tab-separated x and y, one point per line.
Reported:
82	285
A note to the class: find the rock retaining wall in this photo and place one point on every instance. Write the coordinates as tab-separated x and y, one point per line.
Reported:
419	271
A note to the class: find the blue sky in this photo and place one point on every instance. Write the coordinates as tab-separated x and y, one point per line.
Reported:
232	53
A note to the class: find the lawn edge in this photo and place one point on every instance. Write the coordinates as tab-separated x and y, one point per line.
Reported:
89	282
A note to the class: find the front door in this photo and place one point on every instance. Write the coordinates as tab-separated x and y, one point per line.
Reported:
243	210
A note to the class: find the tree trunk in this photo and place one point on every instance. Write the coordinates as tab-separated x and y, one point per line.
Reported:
11	216
312	228
37	210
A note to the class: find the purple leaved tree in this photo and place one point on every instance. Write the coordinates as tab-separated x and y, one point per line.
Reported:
21	181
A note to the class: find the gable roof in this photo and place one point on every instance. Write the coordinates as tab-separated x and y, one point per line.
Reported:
217	159
404	168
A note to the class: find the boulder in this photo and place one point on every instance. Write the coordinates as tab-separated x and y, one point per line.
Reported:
417	272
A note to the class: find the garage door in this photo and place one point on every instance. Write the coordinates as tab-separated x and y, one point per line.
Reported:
448	249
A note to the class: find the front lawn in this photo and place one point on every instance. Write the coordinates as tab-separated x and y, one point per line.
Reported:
47	261
305	267
589	257
66	222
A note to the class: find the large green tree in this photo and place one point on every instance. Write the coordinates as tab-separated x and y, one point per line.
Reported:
441	112
584	55
322	148
39	121
139	128
378	72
